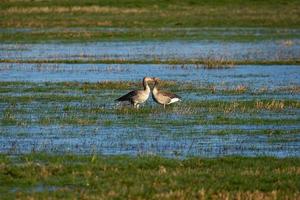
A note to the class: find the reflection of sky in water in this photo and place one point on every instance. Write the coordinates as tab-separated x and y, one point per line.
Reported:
143	140
266	50
252	76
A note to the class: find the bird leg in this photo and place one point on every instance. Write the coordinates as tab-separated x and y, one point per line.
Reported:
136	105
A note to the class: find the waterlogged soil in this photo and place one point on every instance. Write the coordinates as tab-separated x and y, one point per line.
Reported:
248	110
144	140
64	108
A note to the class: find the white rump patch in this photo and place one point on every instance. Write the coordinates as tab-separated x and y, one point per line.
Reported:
174	100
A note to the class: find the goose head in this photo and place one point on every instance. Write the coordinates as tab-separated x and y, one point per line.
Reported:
155	79
147	79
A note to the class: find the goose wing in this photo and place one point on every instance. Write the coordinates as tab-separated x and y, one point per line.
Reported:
170	95
128	96
166	98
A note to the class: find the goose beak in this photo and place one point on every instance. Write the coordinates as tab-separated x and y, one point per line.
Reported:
155	79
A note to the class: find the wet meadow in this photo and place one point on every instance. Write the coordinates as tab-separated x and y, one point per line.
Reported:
234	135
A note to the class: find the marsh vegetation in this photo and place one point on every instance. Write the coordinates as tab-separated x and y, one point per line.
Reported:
39	176
85	113
235	135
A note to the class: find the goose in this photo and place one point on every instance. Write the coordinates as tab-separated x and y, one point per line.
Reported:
163	98
136	97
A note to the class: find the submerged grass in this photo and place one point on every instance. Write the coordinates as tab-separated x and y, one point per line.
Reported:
94	177
77	90
269	132
74	103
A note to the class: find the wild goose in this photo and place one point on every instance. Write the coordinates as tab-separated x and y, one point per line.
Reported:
163	98
136	97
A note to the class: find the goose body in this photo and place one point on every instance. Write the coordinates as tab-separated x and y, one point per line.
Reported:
136	97
163	98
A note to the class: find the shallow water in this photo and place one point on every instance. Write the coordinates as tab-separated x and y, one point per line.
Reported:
252	76
146	50
117	140
137	137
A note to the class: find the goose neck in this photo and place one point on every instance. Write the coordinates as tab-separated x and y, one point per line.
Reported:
146	86
155	89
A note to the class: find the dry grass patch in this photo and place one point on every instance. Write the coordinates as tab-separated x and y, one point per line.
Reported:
233	107
248	195
213	63
74	9
273	105
241	89
288	170
251	172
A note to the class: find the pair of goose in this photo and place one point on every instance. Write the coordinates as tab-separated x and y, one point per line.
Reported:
136	97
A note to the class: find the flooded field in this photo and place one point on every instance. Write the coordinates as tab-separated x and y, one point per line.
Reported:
235	134
279	50
248	110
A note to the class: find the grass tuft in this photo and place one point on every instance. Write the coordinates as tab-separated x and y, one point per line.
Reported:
96	177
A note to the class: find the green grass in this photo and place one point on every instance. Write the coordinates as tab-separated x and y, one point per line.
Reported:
54	20
74	103
118	177
65	91
65	35
145	13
